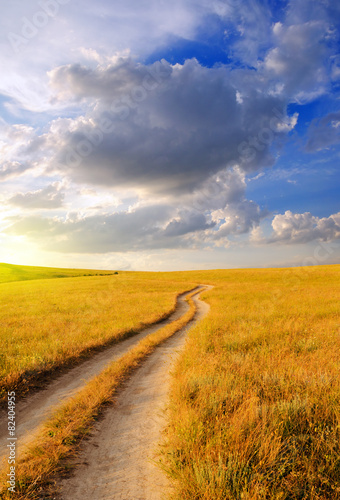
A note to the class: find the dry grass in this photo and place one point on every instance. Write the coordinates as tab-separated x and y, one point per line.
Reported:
62	434
11	272
45	324
255	404
255	408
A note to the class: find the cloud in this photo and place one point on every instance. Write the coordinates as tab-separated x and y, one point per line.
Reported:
226	187
75	81
180	138
251	20
298	11
49	197
161	128
299	61
101	30
186	224
96	33
292	228
167	129
237	219
324	132
142	228
152	227
19	149
10	169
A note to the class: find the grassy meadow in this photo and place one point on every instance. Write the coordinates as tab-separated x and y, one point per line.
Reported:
255	403
60	437
11	272
47	323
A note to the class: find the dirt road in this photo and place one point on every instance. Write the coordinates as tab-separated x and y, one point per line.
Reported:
116	461
35	409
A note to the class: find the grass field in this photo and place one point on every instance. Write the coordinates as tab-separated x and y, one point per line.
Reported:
45	323
255	408
10	272
61	435
255	401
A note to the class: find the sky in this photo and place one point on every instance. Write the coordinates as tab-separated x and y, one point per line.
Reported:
159	136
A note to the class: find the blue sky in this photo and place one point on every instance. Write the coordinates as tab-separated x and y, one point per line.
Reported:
161	136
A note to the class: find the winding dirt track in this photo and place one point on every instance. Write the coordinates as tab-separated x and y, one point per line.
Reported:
116	461
35	409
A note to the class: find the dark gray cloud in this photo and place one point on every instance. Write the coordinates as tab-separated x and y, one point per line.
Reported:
169	135
188	223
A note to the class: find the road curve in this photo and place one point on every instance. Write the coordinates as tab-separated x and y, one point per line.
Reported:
33	411
116	461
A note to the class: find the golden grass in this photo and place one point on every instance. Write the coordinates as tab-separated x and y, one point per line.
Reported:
45	324
11	272
255	402
61	435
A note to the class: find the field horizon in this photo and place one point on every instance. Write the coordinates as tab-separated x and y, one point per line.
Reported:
22	270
